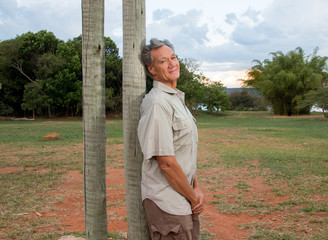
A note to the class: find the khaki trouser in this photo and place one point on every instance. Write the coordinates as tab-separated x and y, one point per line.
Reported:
165	226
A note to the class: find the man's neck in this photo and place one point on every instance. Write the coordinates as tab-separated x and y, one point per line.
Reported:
171	84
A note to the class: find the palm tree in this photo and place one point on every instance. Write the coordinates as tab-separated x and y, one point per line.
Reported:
134	85
94	119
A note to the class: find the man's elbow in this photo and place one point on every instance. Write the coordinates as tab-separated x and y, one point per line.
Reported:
166	163
164	167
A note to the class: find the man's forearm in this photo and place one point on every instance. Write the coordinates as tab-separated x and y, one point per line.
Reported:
176	178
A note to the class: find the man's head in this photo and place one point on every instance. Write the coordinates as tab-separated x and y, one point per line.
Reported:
161	62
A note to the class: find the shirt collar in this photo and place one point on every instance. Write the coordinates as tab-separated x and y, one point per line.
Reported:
164	87
168	89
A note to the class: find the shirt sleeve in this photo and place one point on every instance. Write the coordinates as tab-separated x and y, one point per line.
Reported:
155	132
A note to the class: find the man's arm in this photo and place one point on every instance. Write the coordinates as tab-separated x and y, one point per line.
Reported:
177	179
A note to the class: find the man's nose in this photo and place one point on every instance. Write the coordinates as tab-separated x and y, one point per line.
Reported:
171	63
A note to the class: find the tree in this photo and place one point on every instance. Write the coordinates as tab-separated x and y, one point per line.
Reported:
199	90
53	68
113	75
285	79
94	119
33	100
190	82
241	100
246	100
134	86
215	99
317	98
4	109
12	81
27	59
45	72
68	81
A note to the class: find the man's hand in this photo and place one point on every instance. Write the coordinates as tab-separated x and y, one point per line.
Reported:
199	207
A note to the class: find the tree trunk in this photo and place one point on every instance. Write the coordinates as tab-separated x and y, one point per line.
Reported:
94	119
49	112
134	85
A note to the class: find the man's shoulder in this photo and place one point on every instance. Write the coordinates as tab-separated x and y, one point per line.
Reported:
156	97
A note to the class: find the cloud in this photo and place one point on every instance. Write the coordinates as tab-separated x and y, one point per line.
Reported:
252	14
190	33
231	18
113	22
299	24
282	26
7	9
61	17
216	34
11	20
252	35
186	31
161	14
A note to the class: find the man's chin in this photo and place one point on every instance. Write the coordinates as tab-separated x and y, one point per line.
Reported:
176	76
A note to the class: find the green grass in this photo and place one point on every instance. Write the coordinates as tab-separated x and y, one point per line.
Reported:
238	152
289	154
71	131
262	234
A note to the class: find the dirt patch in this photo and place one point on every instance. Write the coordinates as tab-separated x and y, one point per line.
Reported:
16	169
10	169
69	209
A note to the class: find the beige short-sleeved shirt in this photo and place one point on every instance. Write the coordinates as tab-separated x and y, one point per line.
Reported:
166	128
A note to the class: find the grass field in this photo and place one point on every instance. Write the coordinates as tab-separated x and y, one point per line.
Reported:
272	169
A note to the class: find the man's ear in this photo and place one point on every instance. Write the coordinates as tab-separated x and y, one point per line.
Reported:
151	69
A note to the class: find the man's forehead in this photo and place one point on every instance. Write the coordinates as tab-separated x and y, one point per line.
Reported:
162	51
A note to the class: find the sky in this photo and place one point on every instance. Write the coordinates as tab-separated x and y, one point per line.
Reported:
223	37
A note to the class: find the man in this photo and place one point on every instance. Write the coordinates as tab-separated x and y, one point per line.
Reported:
167	133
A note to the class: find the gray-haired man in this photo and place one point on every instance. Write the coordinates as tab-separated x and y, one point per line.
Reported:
168	137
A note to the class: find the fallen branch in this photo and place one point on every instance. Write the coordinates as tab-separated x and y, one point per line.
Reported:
21	119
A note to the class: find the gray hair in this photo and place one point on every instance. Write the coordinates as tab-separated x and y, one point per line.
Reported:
146	58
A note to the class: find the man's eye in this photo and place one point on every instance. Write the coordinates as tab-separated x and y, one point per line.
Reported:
163	61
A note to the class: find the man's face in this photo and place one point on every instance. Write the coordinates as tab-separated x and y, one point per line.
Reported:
166	68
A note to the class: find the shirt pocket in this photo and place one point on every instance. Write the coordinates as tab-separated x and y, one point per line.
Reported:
182	132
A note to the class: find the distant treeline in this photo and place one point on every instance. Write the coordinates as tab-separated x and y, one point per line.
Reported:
41	75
